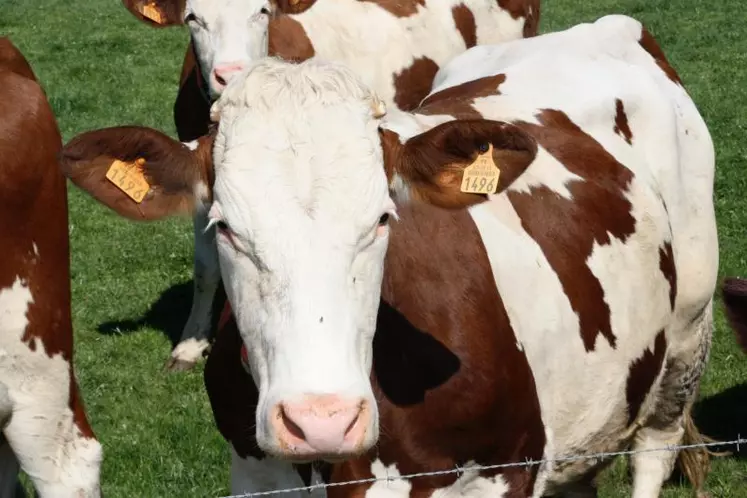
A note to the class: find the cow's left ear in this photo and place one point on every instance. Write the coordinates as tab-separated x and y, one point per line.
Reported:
141	173
458	163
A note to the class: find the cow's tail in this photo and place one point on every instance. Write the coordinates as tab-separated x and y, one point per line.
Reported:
695	459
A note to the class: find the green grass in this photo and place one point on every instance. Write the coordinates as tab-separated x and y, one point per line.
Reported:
100	67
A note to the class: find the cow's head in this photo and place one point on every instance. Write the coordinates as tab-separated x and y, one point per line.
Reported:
301	179
226	34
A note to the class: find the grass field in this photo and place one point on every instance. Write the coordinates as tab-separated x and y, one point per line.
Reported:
131	282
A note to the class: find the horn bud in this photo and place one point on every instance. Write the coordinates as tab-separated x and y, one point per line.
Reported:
378	107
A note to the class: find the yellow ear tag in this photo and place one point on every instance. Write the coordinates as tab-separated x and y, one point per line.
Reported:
481	177
152	12
129	178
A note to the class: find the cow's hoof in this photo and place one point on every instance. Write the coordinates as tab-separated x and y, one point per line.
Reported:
177	365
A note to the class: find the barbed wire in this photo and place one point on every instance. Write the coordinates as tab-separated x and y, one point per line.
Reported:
460	470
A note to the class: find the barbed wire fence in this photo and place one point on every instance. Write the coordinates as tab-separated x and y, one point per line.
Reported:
736	443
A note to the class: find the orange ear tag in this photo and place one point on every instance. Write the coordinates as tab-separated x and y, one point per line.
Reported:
481	177
129	178
152	12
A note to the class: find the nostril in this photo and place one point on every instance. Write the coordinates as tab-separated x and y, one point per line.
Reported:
292	427
354	422
220	79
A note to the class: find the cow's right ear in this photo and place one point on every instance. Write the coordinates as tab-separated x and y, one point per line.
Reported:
139	172
158	13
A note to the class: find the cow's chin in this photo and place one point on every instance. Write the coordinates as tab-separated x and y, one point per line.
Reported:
289	454
300	459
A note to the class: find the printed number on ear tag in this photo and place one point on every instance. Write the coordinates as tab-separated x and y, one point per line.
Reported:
129	178
481	177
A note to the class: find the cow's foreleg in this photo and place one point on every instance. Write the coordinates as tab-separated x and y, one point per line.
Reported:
252	475
195	337
53	445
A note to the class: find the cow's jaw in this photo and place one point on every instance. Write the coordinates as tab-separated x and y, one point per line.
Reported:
227	36
299	193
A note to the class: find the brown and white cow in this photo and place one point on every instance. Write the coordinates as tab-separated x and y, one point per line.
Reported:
734	294
396	47
44	426
392	320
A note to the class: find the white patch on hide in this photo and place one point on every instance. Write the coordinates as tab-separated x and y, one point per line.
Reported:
41	431
391	487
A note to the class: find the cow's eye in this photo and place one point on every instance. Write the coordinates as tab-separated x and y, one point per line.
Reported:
384	219
222	225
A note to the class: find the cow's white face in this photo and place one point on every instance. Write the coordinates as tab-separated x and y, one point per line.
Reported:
227	36
301	206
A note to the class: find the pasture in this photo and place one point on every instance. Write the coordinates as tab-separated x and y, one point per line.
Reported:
131	282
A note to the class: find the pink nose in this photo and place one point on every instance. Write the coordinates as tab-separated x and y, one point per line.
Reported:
322	426
222	73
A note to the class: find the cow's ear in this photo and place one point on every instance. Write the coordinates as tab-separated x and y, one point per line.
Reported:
292	6
158	13
140	173
458	163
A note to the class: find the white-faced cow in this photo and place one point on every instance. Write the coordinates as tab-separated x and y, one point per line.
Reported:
44	426
391	319
396	47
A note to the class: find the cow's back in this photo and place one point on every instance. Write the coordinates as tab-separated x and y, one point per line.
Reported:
398	47
613	81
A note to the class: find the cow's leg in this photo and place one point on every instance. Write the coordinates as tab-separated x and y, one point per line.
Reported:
670	422
58	459
195	337
252	475
49	434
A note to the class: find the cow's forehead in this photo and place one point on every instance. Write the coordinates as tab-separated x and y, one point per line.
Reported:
224	8
321	164
298	133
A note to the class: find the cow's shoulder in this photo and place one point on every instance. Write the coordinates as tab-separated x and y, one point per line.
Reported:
11	59
29	135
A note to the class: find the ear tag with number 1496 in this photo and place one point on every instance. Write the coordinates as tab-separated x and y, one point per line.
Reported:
481	177
129	178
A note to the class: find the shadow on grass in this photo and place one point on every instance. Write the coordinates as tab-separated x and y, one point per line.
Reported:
723	417
168	314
